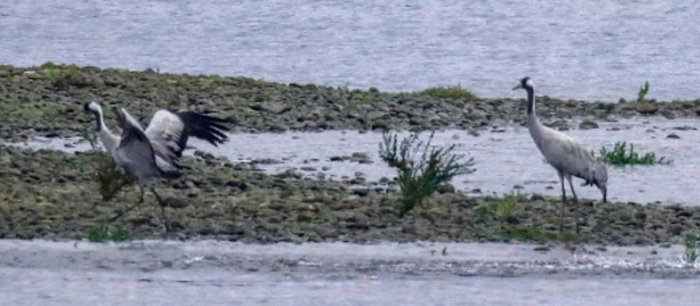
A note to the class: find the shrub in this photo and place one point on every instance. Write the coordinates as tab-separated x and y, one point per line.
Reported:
419	179
109	176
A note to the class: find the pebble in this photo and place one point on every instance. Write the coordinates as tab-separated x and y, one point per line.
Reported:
587	125
685	128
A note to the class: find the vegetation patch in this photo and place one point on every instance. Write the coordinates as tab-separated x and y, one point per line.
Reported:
448	92
105	232
502	209
621	155
62	76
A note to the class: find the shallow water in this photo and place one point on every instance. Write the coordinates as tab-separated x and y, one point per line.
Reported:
506	161
585	50
213	273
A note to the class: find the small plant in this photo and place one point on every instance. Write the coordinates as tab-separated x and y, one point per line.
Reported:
110	177
89	136
620	156
104	232
643	92
506	207
419	179
451	92
691	250
499	209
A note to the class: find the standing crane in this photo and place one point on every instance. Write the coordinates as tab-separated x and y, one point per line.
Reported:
156	151
564	154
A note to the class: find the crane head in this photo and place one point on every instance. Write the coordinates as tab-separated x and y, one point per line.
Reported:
94	108
525	83
600	179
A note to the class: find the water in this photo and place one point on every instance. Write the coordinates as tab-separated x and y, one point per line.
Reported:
506	161
214	273
585	50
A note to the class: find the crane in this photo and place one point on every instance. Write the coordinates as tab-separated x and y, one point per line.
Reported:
156	151
568	157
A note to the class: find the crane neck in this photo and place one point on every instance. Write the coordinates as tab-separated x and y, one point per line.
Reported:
109	140
530	101
532	122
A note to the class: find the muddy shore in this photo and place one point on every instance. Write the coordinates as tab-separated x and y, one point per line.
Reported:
47	101
53	194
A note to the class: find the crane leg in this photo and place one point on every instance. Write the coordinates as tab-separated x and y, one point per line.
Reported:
123	212
563	203
576	208
142	192
162	210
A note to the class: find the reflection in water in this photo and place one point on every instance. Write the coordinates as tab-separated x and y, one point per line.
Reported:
504	160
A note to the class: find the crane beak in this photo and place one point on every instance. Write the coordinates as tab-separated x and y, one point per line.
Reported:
518	87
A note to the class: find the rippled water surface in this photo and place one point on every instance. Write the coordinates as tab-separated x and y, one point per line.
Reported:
586	50
215	273
506	158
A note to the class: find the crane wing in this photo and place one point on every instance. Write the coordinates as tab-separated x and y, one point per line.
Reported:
134	151
168	132
165	131
565	154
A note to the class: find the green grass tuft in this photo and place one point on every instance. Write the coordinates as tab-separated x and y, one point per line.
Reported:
420	178
621	156
448	92
499	209
691	250
104	232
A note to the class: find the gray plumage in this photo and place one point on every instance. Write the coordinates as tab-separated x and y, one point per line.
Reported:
155	152
564	154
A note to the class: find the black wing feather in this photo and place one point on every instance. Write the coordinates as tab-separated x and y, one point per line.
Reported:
202	126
